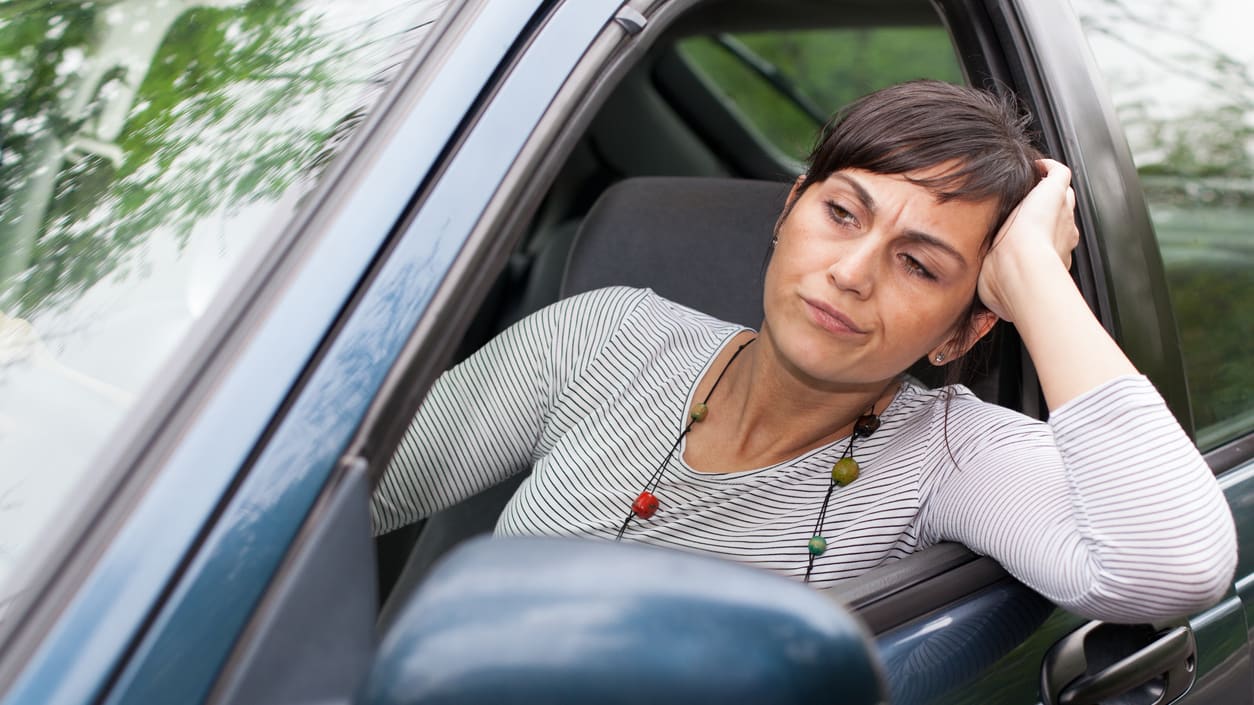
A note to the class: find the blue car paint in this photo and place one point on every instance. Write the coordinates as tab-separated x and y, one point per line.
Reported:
1238	487
933	655
592	622
181	655
80	652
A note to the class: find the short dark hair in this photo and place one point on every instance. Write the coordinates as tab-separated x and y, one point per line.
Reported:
924	124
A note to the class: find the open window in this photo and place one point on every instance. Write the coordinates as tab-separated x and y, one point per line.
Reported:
715	98
651	103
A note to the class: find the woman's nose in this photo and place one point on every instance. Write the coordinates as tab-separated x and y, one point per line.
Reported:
853	270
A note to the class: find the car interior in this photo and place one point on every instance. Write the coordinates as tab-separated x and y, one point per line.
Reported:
672	187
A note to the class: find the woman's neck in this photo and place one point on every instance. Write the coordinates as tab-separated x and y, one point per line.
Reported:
776	413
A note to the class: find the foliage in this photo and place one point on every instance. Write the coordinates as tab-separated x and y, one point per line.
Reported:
830	67
233	107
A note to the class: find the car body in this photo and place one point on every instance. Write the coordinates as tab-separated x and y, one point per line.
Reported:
211	542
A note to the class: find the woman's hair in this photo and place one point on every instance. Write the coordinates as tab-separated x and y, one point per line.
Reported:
980	139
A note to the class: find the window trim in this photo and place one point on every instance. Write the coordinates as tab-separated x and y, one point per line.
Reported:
1118	261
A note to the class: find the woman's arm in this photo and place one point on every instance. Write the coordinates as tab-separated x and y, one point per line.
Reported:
482	420
1024	280
1108	510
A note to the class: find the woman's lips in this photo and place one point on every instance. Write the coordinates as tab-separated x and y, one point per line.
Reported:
831	320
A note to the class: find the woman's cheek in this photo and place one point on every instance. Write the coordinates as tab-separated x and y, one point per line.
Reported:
920	323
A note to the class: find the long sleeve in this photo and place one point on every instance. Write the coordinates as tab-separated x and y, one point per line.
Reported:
1108	510
482	419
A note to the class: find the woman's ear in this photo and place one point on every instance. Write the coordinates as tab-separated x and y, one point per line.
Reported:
982	322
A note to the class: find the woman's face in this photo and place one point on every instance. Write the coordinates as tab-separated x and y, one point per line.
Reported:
869	274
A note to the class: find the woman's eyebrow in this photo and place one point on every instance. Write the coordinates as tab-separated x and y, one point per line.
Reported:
931	240
859	190
913	235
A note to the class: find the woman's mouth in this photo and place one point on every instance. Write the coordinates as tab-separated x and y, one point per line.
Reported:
832	320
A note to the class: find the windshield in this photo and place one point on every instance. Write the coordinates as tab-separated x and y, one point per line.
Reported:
146	148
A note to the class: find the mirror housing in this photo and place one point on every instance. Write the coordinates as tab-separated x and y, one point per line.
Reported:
574	621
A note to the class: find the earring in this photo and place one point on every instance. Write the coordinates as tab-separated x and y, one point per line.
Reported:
774	241
939	357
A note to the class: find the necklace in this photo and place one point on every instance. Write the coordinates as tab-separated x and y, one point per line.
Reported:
844	471
646	504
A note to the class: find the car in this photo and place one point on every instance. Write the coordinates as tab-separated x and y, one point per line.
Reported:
240	239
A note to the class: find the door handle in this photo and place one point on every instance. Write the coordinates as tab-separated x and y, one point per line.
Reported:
1100	661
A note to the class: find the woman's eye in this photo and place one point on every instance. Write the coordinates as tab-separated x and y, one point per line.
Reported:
913	266
840	214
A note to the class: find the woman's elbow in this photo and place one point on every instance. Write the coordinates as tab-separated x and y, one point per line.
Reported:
1153	585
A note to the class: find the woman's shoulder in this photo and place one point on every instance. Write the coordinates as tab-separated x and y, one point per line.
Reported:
644	307
954	411
961	403
614	301
968	426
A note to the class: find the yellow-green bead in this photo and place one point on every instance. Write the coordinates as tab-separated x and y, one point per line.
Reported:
845	471
818	545
699	411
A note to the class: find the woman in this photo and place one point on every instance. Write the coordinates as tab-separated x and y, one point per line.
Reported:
803	447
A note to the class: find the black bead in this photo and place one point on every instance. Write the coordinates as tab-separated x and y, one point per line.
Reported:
866	425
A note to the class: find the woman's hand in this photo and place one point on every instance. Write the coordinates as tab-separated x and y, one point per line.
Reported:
1024	279
1039	233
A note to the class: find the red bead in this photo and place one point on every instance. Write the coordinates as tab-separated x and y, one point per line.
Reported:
645	505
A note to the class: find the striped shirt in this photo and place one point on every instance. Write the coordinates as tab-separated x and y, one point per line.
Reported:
1108	509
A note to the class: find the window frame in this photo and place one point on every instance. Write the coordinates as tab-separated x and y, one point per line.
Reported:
956	577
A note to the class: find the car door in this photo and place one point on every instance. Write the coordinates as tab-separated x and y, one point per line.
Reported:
1122	274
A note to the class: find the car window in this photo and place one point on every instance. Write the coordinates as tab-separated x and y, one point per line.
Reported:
145	149
1182	82
786	84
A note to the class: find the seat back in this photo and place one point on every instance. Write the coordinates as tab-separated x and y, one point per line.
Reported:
701	242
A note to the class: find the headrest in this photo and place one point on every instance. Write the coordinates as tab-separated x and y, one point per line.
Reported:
701	242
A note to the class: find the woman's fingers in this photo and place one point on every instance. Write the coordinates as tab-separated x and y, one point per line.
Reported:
1055	175
1043	221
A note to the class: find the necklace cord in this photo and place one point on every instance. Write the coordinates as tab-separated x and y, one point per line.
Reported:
864	426
656	476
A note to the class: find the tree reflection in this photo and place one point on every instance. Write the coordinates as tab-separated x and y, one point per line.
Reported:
131	131
1183	86
1185	101
121	118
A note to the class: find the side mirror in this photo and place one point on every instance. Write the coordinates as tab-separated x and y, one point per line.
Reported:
571	621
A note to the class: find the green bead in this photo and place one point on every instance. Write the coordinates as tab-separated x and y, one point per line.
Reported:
699	411
845	471
818	545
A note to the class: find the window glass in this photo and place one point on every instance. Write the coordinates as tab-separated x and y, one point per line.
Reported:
1182	81
786	84
145	147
